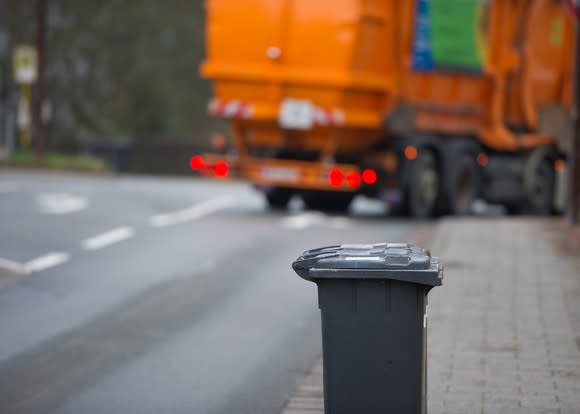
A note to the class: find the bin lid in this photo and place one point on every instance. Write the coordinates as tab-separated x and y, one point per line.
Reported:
394	261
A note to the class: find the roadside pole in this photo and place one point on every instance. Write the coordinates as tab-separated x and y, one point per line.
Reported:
23	119
25	75
575	170
574	206
38	121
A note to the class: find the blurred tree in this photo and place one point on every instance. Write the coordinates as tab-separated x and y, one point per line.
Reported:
116	68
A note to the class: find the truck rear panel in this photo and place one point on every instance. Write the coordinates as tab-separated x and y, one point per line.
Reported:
315	62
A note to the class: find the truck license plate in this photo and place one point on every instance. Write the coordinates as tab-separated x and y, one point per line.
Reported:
296	114
280	174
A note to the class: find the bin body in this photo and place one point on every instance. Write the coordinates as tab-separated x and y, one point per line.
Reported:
373	325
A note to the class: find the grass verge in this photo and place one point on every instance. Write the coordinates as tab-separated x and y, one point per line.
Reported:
55	161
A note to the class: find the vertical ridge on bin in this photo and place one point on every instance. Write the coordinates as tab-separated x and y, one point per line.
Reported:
420	304
353	285
387	288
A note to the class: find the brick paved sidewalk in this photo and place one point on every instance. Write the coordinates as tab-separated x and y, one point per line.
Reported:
504	330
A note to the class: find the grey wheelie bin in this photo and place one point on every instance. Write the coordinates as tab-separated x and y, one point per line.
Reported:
373	301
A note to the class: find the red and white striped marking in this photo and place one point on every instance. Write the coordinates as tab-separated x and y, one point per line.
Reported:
325	117
230	109
242	110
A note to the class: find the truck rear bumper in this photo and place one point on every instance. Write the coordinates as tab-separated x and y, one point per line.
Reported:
300	175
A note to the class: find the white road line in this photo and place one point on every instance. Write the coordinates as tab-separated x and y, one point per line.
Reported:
61	203
47	261
312	218
106	239
339	223
12	266
192	213
303	220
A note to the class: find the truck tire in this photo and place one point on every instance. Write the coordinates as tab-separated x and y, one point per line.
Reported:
278	197
422	189
331	201
461	184
540	182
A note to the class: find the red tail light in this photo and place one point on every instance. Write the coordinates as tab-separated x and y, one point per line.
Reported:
353	179
335	177
221	169
482	159
411	152
369	176
197	162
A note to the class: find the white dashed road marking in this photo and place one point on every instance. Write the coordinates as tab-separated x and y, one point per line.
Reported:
61	203
311	218
192	213
303	220
108	238
47	261
12	266
339	223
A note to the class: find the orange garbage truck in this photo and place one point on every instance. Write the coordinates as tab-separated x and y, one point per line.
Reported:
425	104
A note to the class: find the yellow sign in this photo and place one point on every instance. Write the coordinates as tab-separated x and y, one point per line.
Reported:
25	64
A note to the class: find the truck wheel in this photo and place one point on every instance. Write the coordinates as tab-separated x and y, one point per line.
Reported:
514	209
336	202
462	186
423	185
278	197
539	182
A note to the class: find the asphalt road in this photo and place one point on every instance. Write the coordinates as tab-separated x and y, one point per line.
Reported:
158	295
